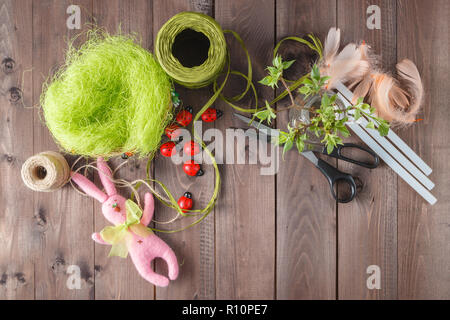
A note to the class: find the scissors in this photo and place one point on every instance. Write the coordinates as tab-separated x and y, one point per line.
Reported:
332	174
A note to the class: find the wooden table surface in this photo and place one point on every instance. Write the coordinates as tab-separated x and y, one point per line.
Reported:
269	237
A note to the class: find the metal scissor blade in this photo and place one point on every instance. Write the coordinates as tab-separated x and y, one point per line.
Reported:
254	134
311	157
265	129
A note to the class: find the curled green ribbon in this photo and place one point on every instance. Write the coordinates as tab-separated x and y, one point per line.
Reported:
118	236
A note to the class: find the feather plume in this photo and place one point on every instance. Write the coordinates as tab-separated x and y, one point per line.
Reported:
361	88
331	46
395	100
410	77
379	95
348	65
399	97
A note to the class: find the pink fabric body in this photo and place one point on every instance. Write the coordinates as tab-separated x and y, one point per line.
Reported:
142	250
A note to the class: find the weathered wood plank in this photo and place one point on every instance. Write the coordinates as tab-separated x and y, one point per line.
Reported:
118	278
245	212
306	212
367	227
423	230
194	247
65	218
18	222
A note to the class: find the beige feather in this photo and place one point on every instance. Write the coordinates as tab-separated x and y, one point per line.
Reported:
395	101
331	45
348	65
399	97
410	77
379	95
361	88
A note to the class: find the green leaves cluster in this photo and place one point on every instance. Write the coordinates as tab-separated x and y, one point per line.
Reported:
327	122
265	115
313	84
365	109
293	136
275	71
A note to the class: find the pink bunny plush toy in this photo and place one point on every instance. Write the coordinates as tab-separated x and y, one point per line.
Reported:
130	232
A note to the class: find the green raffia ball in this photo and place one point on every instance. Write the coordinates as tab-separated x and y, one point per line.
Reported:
190	30
110	97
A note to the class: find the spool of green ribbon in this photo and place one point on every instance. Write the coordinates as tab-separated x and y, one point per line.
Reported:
191	48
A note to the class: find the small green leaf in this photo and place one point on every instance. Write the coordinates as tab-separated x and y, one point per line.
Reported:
383	129
266	80
307	81
315	73
330	148
282	138
300	144
287	146
272	71
325	100
370	125
276	62
357	114
304	90
270	113
365	106
344	131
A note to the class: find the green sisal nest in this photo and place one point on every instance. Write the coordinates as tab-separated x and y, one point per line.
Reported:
111	96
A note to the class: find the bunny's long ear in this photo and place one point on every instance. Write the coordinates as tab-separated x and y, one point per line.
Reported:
105	176
89	187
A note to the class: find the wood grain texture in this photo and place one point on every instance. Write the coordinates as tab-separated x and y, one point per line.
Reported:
367	227
66	223
306	212
424	230
118	278
245	213
18	224
194	247
269	237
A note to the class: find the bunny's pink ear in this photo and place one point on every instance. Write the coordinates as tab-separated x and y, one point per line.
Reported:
89	187
105	176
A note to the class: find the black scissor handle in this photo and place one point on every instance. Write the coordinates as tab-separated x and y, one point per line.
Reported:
337	153
333	175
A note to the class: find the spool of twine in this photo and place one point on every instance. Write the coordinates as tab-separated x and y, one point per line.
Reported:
191	48
47	171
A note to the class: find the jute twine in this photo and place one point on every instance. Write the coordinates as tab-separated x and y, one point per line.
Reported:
47	171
